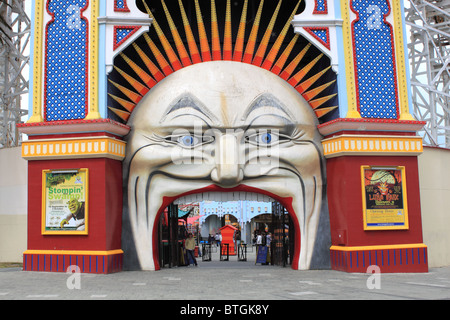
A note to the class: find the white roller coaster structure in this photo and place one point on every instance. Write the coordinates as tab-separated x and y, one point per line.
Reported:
14	58
429	55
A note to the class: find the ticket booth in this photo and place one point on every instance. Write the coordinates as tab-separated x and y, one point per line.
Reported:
228	237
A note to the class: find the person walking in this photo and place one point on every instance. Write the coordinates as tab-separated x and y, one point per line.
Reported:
218	238
269	247
237	239
189	245
259	239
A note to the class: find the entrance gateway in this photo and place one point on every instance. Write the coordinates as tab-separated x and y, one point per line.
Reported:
169	99
274	224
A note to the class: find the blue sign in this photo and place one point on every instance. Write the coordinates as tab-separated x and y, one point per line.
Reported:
261	256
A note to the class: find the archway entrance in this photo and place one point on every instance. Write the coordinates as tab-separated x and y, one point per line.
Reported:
265	237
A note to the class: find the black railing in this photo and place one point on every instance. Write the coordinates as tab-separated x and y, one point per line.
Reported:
224	252
206	251
242	252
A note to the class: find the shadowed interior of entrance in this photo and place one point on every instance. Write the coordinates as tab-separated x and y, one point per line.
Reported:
267	238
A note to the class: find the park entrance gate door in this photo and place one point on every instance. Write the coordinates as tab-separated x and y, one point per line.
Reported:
282	230
172	234
170	241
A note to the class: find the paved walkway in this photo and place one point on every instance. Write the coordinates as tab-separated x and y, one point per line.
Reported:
224	280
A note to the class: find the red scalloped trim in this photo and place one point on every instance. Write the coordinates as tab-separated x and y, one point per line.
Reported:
133	29
327	30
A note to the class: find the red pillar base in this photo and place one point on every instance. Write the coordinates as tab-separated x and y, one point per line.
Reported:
101	262
96	147
370	234
390	259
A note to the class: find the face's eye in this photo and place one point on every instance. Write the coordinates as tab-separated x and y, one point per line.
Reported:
263	138
188	140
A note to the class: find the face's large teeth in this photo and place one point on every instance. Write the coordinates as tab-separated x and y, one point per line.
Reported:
223	196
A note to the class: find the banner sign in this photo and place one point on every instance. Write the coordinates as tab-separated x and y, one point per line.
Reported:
384	198
64	201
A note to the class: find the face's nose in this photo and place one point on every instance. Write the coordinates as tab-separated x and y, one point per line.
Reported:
228	171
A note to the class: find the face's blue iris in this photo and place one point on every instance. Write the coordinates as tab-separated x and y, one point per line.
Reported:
188	141
266	138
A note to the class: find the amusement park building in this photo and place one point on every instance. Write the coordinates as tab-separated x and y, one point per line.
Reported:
137	104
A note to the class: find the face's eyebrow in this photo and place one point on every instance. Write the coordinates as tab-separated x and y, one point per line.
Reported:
267	100
188	105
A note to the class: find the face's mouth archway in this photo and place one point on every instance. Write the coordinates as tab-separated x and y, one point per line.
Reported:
238	195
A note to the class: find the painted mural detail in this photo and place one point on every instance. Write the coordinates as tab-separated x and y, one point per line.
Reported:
373	41
216	119
160	54
66	62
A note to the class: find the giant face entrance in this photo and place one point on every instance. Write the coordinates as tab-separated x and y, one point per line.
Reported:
267	238
209	123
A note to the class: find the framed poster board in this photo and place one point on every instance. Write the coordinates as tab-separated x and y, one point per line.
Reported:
261	256
384	198
65	202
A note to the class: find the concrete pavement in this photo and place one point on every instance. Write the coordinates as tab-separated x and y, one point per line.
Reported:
224	280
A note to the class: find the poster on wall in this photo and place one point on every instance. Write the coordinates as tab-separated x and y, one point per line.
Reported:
65	201
384	198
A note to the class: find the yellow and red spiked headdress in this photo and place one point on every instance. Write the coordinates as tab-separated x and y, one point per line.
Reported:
161	52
